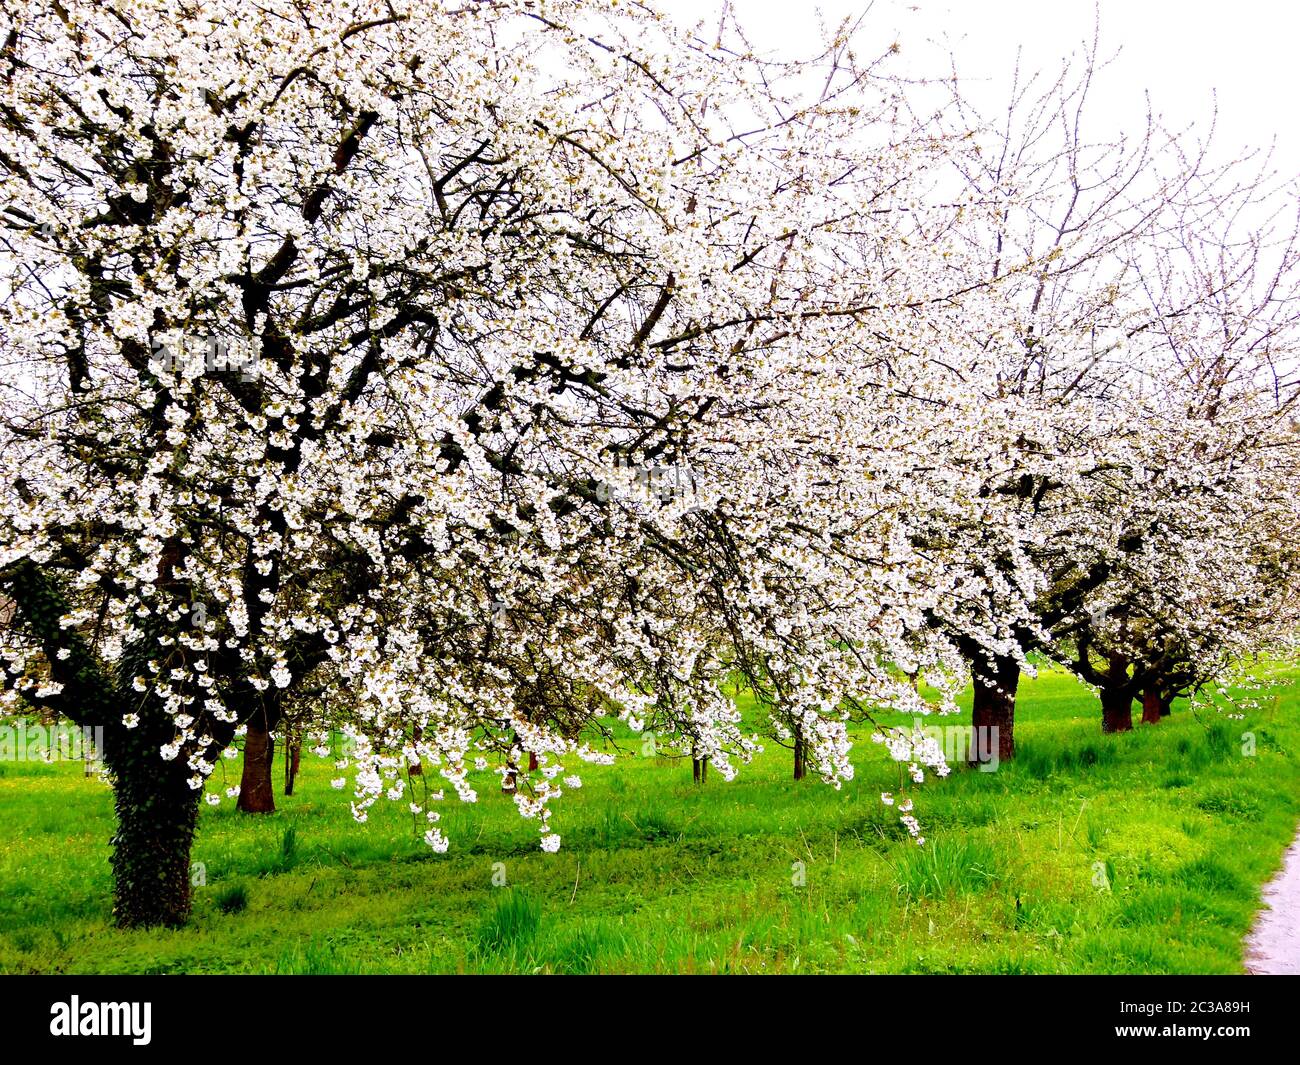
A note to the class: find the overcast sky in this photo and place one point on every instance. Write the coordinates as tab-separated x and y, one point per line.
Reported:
1181	51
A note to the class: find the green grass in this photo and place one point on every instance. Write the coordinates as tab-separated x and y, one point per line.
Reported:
1134	853
947	866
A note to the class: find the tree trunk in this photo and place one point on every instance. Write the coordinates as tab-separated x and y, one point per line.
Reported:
799	758
292	763
1166	706
993	709
510	778
1116	710
415	769
1151	703
157	812
256	796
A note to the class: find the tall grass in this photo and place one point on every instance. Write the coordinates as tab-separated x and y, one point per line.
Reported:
946	867
511	924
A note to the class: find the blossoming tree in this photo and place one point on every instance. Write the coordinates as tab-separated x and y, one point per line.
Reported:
337	337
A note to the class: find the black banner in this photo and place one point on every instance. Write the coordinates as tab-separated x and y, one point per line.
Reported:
926	1015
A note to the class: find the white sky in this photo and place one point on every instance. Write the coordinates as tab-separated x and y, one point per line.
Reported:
1182	51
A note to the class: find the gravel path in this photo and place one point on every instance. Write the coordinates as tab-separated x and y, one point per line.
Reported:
1273	946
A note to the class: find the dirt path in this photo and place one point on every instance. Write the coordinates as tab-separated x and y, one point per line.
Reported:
1273	946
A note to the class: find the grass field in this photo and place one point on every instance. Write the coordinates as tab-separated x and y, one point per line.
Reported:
1133	853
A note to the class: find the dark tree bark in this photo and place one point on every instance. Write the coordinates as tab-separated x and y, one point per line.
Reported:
256	795
1116	709
699	770
800	757
292	762
1151	707
157	812
993	711
1166	705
